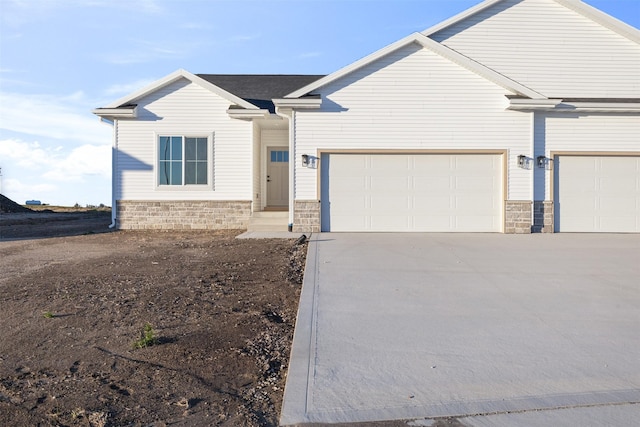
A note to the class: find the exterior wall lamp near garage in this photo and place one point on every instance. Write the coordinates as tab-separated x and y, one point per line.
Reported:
542	162
309	161
524	162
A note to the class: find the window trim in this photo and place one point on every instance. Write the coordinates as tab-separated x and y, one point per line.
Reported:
209	186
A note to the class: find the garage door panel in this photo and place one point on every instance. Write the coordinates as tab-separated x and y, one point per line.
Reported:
391	183
388	203
430	184
597	193
411	192
471	183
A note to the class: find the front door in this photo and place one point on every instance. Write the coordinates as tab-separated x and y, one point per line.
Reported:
277	176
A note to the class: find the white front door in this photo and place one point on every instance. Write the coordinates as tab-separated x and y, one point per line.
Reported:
277	176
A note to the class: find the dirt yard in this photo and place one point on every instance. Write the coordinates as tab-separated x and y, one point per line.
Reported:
222	312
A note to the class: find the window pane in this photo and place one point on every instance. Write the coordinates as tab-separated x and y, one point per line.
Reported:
163	152
176	173
202	148
201	173
286	156
176	148
273	156
164	173
190	148
190	173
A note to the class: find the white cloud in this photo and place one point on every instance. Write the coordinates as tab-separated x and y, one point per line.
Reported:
85	160
63	118
20	191
54	163
245	38
121	89
144	51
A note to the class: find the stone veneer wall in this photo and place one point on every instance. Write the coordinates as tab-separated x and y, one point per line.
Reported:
182	215
543	217
306	216
517	217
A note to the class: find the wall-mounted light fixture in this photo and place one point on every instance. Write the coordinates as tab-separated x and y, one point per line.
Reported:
305	160
522	161
541	161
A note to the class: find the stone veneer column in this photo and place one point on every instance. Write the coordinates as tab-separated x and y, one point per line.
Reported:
517	217
543	217
306	216
182	215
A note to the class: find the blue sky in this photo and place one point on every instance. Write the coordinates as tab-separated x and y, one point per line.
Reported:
59	59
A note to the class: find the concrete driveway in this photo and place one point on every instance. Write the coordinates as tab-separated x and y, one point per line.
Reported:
486	328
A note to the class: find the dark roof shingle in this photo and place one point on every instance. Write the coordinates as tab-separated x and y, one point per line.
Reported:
260	89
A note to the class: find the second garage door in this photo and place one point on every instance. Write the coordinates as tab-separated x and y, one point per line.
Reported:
597	193
412	192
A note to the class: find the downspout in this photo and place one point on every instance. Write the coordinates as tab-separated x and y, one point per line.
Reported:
289	115
114	168
114	163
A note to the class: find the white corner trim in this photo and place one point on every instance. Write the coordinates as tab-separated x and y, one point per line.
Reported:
117	113
175	76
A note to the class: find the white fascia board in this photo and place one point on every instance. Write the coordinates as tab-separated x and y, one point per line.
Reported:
579	6
353	67
460	17
175	76
116	113
602	18
476	67
247	114
435	47
305	103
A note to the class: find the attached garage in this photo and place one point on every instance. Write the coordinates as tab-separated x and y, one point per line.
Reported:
596	193
412	192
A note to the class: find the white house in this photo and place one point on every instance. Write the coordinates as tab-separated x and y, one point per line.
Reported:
513	116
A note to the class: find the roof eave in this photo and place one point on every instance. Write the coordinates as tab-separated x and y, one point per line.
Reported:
247	114
175	76
568	106
308	103
117	113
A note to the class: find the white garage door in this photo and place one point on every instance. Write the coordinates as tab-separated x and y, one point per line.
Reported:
411	192
597	194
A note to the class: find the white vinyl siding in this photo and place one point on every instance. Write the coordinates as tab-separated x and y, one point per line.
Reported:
550	49
597	194
413	99
184	108
575	133
412	192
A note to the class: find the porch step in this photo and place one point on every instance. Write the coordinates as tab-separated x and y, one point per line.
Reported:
269	221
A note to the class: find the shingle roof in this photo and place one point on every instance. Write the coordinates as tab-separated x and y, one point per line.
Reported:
260	89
